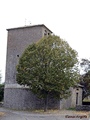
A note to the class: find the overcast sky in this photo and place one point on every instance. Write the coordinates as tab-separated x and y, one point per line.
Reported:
70	19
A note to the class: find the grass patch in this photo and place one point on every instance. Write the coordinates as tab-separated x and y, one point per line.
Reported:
74	109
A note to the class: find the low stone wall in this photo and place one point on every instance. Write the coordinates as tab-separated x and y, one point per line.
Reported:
83	108
23	98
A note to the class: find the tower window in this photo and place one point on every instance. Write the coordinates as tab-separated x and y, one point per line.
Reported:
45	33
17	55
48	33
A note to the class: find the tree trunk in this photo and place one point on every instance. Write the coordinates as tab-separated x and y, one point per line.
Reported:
45	103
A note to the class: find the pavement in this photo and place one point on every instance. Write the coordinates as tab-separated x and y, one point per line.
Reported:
8	114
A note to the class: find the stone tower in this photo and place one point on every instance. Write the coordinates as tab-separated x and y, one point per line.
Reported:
16	96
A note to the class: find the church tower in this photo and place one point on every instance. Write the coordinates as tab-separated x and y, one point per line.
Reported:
16	96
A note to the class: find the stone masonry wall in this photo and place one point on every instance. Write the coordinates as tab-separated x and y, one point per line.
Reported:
21	98
18	40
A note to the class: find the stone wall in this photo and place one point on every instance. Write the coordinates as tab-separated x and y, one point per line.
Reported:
23	98
83	107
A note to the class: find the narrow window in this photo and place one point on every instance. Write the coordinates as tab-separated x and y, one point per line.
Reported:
76	98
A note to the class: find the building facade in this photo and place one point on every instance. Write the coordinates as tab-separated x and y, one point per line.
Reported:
16	96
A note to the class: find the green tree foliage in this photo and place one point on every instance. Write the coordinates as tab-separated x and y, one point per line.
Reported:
1	92
1	89
85	78
85	65
48	66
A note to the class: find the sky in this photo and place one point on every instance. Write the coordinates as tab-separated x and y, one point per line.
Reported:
69	19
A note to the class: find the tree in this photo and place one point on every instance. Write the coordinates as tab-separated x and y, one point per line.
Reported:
85	65
1	91
85	78
48	66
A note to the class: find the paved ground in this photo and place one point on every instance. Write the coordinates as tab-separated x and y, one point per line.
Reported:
7	114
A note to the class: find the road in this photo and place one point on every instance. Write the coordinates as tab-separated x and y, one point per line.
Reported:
26	115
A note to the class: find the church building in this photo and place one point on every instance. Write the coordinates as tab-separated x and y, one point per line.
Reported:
20	97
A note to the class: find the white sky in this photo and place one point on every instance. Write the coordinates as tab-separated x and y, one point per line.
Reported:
70	19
